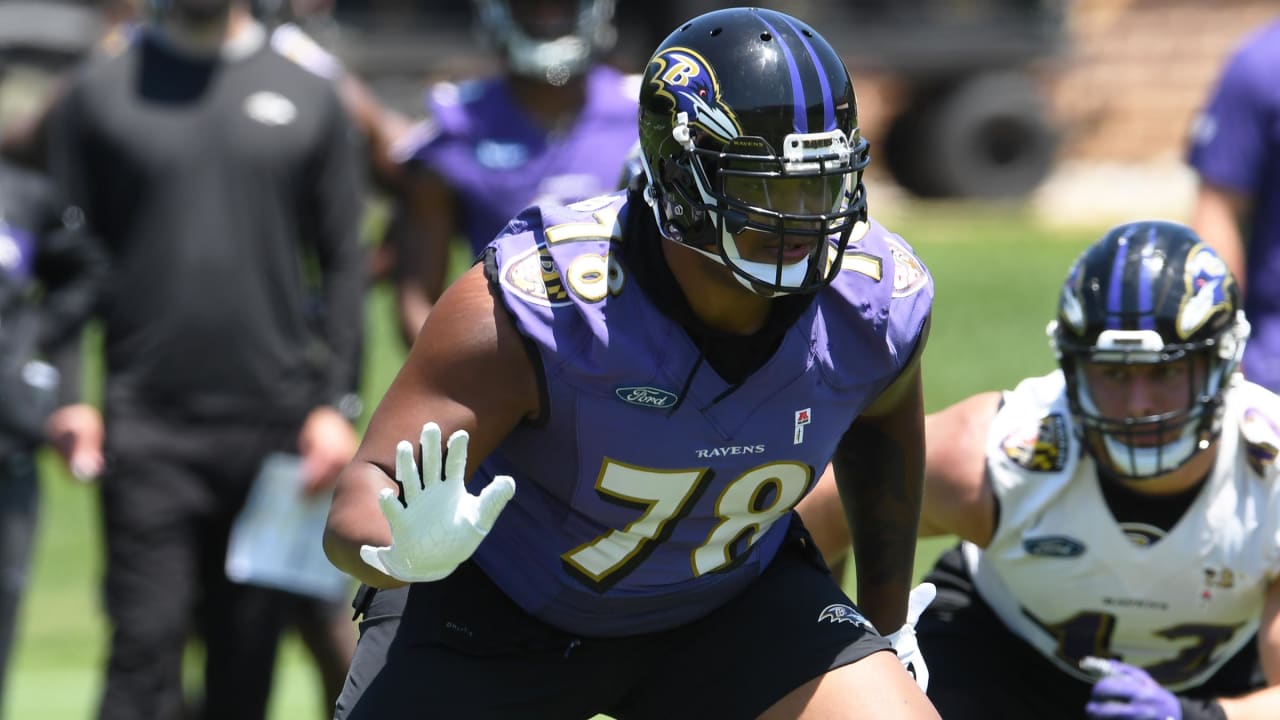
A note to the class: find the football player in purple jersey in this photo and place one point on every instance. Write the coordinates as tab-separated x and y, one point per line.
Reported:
1235	151
635	391
553	126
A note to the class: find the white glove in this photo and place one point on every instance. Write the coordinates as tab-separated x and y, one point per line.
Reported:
904	640
440	524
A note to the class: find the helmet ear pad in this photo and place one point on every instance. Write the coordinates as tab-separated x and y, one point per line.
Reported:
682	204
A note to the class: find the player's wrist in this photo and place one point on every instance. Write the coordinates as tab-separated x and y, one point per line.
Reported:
1201	709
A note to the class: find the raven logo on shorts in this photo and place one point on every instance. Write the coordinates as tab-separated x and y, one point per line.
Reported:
839	613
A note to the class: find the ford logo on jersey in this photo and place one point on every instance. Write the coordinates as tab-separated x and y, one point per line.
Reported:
1053	546
645	396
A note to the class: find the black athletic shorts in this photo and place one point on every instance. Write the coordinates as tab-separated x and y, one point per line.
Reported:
462	649
979	670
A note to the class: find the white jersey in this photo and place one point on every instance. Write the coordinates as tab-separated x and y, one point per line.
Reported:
1065	577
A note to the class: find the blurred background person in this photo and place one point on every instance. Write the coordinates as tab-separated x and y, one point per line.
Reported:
26	137
554	126
325	628
50	270
224	181
1235	152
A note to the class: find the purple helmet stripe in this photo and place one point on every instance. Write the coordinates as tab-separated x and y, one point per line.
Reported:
1115	290
800	116
828	104
1146	317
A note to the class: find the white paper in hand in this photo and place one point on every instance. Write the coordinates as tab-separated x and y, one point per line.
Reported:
276	539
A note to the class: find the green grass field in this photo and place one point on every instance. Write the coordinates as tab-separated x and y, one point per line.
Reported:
997	274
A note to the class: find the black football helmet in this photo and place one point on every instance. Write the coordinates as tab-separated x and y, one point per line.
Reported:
1151	293
748	121
548	40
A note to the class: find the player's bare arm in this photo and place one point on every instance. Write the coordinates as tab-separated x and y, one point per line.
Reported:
472	337
957	492
823	517
425	226
380	125
1264	703
879	468
1218	216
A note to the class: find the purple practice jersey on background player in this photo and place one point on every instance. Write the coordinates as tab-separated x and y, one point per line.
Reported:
498	161
669	506
17	253
1236	145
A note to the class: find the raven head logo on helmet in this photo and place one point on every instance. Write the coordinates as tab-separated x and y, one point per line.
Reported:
750	148
547	41
1149	294
690	84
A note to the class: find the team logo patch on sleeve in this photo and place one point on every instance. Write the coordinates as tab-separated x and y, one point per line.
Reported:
532	276
909	274
1261	440
1039	446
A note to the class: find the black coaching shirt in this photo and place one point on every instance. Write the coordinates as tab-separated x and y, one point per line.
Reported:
228	194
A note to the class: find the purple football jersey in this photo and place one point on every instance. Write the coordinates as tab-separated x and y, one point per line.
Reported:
1236	144
636	509
499	161
17	253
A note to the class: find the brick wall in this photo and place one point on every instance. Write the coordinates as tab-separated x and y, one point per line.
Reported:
1138	70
